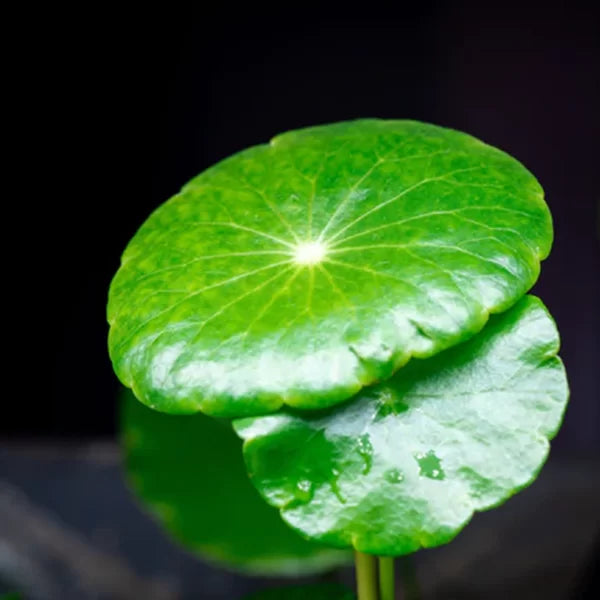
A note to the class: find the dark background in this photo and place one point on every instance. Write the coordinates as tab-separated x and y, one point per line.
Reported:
131	106
117	109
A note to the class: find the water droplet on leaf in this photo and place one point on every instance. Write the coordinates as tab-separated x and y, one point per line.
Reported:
430	465
365	449
304	490
335	488
393	476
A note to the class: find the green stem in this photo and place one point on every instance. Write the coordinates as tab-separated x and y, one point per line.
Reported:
386	578
366	575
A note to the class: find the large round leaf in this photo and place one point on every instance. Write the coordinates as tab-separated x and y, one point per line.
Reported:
406	462
298	272
190	472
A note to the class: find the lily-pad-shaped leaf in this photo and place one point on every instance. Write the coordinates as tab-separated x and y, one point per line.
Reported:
405	463
189	471
300	271
317	591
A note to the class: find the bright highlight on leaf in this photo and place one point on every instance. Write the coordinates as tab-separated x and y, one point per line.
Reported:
310	253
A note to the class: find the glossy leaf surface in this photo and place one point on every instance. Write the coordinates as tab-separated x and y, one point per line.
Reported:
317	591
300	271
189	471
405	463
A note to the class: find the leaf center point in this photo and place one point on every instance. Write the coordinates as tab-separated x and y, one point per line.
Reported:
309	253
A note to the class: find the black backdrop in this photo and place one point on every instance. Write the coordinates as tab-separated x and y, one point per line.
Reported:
129	106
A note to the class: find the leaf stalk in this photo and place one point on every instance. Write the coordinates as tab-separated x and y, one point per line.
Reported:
366	576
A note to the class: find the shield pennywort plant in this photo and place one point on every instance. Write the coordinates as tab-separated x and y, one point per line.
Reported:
351	301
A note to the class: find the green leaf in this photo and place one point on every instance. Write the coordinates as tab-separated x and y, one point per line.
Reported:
189	472
405	463
300	271
317	591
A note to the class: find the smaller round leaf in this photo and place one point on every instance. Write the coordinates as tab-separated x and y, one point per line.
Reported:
404	464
